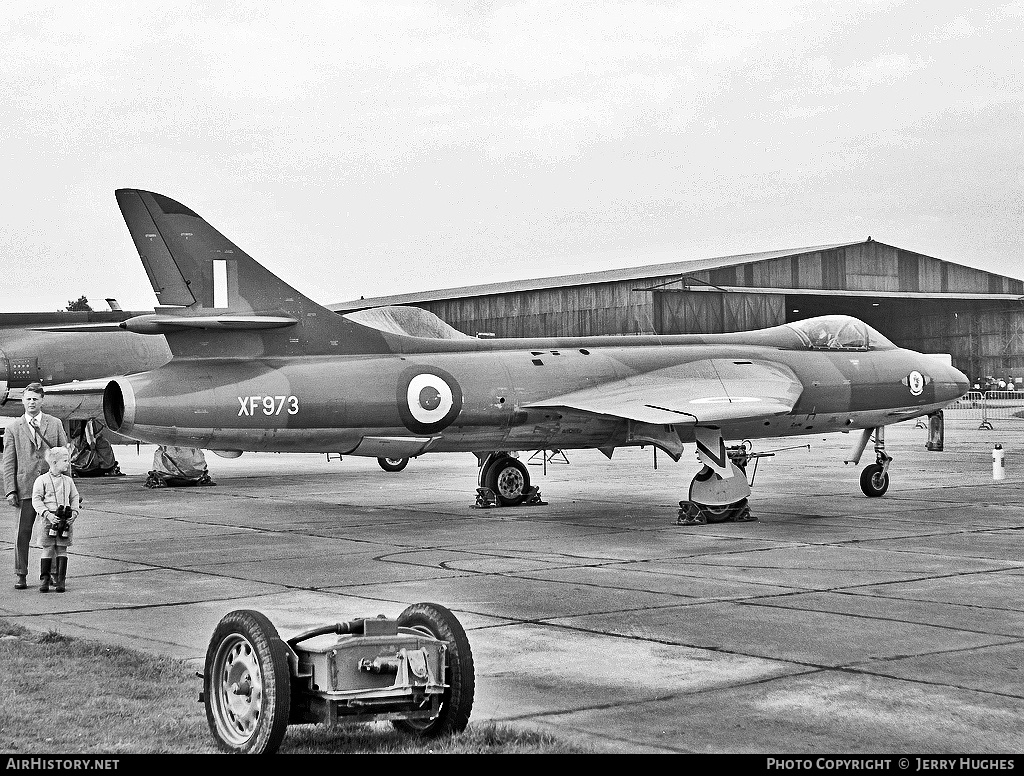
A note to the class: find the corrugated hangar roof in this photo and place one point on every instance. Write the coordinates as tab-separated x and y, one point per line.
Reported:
604	276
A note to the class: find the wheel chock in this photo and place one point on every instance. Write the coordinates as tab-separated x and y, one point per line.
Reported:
690	514
743	515
533	498
485	499
693	514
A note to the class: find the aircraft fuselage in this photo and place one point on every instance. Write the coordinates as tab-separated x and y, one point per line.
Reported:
364	404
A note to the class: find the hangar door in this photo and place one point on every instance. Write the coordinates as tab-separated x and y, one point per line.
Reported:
715	312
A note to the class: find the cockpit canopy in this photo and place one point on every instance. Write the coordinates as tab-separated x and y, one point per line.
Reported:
839	332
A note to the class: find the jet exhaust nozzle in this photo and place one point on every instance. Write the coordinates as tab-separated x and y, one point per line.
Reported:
119	406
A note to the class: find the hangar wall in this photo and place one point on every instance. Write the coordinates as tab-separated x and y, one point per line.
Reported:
984	339
923	303
569	311
710	312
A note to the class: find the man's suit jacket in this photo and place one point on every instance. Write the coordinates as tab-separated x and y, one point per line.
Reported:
23	461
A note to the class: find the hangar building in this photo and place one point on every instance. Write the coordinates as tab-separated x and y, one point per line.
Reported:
918	301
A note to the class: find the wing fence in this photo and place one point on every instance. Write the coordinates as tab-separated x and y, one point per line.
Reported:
988	407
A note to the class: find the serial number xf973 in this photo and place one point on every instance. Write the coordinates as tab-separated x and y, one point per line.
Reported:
268	405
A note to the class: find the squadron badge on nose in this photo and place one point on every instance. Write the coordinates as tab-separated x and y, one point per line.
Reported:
429	399
916	382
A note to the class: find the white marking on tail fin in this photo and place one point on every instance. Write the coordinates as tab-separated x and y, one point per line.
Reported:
220	284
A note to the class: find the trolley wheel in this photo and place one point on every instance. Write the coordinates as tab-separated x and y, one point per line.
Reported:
246	684
393	464
509	479
457	702
874	481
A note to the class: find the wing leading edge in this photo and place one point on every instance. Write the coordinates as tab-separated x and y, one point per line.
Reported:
705	392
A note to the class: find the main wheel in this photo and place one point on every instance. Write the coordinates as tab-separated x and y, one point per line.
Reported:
874	481
246	684
717	514
457	702
509	479
393	464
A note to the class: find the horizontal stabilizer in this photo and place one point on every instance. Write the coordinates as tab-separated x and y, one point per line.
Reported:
89	328
163	324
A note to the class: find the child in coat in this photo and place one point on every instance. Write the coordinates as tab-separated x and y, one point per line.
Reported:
51	491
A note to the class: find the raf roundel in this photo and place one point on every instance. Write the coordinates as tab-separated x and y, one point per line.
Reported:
428	399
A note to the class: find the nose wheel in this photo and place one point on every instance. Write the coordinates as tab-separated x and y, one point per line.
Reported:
874	480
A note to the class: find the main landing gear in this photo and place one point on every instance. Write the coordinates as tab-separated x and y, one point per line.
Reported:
504	481
717	499
393	464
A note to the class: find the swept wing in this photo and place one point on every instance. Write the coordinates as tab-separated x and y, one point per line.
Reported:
706	392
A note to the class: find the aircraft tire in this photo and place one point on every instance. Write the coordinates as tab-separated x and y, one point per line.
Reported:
393	464
509	479
719	514
457	701
704	474
247	684
873	481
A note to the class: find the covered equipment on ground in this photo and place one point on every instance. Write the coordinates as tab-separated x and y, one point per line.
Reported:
91	453
176	467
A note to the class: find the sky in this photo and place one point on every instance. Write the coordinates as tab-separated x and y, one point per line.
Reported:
359	149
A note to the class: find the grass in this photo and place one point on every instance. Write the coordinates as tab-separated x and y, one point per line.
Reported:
63	695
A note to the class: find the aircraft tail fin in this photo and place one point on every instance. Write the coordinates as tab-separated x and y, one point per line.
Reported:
217	301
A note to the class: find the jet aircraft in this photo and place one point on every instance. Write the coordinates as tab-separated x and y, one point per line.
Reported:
258	366
40	347
61	347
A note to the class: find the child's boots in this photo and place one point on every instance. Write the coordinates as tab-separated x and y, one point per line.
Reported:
45	565
62	572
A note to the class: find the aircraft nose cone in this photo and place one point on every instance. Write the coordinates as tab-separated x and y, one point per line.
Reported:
952	385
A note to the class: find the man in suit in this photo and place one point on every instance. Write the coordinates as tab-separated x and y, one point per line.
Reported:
26	441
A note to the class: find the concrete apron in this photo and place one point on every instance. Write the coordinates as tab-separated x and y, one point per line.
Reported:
834	623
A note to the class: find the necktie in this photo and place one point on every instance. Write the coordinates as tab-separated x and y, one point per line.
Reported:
37	437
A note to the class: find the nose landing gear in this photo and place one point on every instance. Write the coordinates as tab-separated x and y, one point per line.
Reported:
874	479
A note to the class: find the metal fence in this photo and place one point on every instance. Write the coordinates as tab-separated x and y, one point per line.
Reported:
988	407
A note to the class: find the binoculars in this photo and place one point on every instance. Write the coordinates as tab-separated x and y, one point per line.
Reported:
60	528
